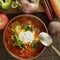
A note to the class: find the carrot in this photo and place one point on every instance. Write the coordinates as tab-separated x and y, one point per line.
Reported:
56	7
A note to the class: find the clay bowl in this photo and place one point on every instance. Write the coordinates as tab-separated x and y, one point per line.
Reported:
8	42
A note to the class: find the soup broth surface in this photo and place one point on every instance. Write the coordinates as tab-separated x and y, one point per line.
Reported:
29	49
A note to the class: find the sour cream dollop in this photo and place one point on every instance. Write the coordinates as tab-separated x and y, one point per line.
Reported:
26	37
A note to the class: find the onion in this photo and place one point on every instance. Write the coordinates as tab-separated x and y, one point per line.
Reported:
29	7
54	28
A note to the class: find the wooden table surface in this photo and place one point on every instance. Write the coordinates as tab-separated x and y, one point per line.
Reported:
15	11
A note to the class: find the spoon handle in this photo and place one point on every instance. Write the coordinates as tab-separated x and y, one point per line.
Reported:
58	52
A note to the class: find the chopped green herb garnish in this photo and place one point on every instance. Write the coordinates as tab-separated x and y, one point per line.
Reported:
29	27
34	45
16	27
13	28
20	44
17	42
14	43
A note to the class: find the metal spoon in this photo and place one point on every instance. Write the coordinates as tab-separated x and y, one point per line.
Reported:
46	40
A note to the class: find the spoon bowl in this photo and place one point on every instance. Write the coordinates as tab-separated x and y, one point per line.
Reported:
46	40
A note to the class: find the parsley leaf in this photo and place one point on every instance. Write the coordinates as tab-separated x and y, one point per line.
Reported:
29	27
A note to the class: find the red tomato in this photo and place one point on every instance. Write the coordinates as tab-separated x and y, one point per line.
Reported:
3	20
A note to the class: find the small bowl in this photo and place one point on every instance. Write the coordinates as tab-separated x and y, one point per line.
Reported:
33	18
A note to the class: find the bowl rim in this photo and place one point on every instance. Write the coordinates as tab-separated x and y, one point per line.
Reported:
15	56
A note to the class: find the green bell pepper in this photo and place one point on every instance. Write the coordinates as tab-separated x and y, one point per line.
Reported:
15	4
5	4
